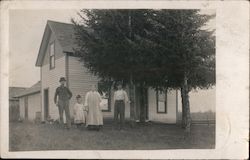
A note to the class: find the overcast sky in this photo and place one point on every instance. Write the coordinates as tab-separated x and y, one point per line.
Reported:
26	31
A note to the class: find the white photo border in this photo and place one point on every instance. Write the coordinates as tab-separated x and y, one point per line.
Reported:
232	79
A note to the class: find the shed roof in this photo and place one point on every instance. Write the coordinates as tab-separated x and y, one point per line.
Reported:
14	91
36	88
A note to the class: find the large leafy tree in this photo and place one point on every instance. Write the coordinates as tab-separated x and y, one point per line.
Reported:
111	46
156	48
187	50
108	46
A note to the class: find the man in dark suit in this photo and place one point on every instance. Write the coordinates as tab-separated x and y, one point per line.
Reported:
64	95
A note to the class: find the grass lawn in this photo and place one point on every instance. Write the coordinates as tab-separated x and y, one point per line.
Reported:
29	136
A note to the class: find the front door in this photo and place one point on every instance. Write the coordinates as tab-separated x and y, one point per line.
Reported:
46	104
26	108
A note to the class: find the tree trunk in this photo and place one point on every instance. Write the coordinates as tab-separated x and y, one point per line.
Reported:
132	102
183	120
143	104
187	117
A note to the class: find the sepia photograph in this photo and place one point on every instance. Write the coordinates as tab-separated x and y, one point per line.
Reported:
113	79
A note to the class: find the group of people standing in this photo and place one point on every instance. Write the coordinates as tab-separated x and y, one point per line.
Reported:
89	112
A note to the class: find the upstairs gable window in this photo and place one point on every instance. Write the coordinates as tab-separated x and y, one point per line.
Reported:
52	55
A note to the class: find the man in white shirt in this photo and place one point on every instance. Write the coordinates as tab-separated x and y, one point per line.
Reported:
120	97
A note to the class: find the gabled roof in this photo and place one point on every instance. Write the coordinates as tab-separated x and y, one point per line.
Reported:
64	33
14	91
36	88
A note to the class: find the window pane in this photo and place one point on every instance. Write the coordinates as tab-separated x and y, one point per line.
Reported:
52	49
161	107
161	102
52	55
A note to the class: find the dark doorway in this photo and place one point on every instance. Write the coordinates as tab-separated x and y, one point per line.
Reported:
46	104
26	108
146	102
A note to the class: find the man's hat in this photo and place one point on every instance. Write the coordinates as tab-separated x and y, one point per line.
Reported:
78	96
62	79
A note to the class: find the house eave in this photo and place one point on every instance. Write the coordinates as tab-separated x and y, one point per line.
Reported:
70	54
28	94
40	55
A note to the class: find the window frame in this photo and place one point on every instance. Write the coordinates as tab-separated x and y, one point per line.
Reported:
52	56
165	104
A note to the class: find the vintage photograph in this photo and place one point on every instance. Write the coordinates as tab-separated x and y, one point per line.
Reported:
112	79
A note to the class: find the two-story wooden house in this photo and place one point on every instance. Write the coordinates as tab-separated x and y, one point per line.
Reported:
56	59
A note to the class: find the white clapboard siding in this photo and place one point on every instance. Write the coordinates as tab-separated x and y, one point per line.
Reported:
34	105
50	81
170	116
50	77
79	79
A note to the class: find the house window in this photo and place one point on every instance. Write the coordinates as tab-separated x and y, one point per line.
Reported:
52	55
161	101
105	91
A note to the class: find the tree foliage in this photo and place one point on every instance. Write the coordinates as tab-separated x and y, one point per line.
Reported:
156	46
107	46
184	48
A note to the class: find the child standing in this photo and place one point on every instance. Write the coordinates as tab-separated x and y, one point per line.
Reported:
79	112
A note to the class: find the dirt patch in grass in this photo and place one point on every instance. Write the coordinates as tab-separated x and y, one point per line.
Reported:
28	136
